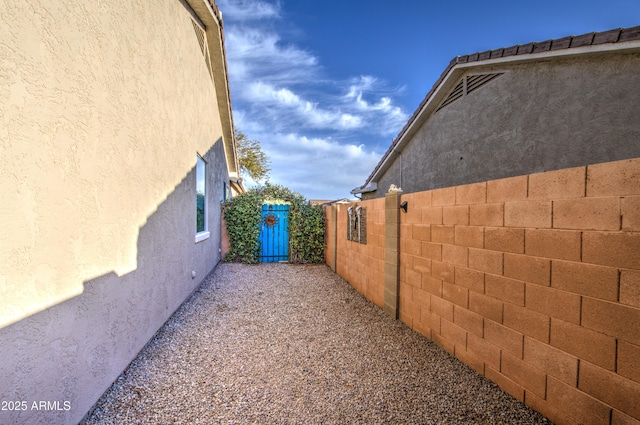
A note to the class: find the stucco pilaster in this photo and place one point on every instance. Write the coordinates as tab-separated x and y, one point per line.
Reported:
391	253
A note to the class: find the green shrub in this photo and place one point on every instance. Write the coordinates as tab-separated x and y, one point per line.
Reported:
306	234
242	215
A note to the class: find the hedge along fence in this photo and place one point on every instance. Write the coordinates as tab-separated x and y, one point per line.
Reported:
306	225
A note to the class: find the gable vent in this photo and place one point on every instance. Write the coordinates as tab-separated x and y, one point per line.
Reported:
476	81
200	35
202	40
455	94
466	86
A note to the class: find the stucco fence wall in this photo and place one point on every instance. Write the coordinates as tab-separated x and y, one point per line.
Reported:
533	281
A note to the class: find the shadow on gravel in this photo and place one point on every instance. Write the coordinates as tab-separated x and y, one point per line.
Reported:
292	344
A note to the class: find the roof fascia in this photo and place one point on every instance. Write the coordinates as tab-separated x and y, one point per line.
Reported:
458	69
371	187
211	17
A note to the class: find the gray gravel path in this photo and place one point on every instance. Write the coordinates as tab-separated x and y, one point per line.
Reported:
291	344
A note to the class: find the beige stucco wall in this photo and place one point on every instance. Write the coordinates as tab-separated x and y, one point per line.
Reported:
103	107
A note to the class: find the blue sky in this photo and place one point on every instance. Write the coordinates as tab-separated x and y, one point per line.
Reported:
325	85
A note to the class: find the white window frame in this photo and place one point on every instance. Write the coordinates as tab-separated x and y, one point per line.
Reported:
204	234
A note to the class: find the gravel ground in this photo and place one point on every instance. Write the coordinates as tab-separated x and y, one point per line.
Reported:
291	344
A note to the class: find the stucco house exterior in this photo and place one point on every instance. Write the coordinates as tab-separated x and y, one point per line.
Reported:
116	151
519	110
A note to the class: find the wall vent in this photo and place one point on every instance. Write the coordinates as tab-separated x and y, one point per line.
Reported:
468	84
455	94
476	81
200	35
202	41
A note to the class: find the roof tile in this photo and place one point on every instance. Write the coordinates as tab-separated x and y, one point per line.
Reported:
561	43
582	40
629	34
543	46
510	51
484	55
525	49
606	37
496	53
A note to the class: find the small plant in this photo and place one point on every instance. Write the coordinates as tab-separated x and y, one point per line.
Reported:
306	225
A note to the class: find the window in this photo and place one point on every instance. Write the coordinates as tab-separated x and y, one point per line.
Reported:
201	200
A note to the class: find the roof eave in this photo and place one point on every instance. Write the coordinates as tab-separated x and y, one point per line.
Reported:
211	17
461	64
370	187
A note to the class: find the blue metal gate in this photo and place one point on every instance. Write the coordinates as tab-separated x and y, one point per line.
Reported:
274	233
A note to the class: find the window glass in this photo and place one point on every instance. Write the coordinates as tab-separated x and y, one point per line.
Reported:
201	222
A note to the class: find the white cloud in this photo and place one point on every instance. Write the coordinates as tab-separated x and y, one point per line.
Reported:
350	121
249	10
306	113
356	113
318	166
360	84
383	111
266	92
252	52
305	121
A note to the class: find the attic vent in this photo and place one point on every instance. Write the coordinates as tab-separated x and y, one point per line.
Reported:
202	40
455	94
467	85
200	35
477	81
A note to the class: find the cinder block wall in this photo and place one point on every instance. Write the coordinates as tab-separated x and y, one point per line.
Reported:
533	281
362	265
